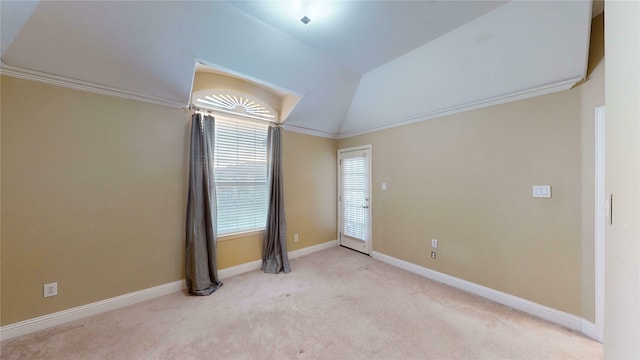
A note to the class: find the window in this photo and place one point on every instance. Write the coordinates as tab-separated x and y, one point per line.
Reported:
230	103
240	171
240	157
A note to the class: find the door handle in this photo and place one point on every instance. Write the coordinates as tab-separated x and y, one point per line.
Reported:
365	207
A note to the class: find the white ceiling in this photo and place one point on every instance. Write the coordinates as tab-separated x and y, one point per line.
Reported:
363	35
361	65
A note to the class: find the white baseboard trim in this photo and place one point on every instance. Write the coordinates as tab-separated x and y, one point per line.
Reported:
555	316
98	307
80	312
257	264
311	249
239	269
589	329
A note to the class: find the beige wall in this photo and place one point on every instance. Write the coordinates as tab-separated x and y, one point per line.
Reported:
94	197
466	180
622	262
309	171
309	166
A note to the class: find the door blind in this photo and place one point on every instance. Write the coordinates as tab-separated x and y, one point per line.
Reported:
355	203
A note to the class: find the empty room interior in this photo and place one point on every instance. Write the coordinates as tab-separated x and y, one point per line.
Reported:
438	179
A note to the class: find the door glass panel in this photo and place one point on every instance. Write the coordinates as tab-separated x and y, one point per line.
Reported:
355	197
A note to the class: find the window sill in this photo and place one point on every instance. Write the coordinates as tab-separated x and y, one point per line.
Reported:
232	236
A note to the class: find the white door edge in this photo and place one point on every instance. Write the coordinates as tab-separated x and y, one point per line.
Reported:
599	220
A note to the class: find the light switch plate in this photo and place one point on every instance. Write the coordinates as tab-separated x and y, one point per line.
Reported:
542	191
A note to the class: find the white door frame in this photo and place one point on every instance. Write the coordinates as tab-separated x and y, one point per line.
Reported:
367	148
600	220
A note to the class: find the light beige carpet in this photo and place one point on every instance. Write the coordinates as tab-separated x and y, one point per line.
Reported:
335	304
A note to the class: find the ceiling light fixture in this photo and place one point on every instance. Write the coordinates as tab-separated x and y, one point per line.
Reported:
305	20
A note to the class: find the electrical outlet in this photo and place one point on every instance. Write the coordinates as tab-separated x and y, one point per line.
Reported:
433	254
434	243
50	289
295	238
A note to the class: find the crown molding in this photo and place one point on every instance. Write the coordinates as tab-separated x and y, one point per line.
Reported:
50	79
520	95
311	132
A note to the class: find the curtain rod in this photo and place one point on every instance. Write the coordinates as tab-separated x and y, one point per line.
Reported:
196	108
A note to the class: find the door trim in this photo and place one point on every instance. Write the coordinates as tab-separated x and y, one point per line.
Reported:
368	148
599	220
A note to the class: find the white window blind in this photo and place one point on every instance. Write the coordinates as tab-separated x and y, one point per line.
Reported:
354	190
240	171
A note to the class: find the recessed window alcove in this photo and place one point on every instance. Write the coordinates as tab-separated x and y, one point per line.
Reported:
230	94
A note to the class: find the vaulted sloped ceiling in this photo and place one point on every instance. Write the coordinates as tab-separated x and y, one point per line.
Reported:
518	50
366	65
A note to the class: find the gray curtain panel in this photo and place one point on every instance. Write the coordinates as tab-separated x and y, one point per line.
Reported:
200	252
274	249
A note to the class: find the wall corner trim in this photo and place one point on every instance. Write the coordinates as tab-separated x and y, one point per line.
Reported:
302	130
555	316
61	317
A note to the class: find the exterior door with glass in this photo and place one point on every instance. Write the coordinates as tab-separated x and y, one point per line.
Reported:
354	198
